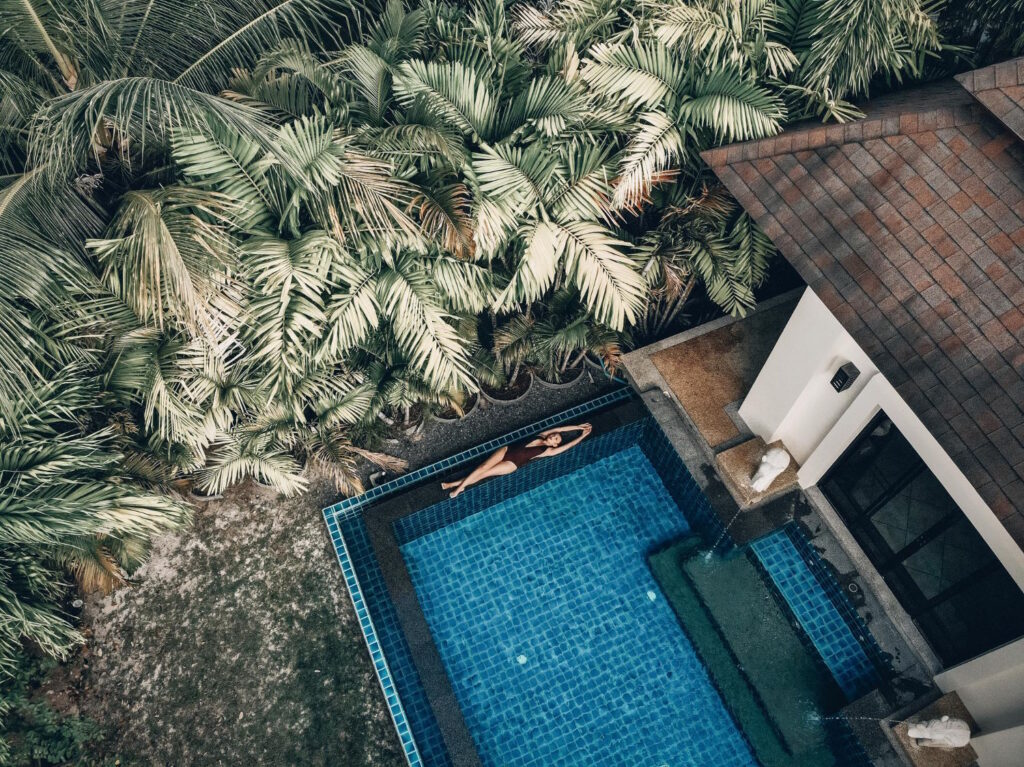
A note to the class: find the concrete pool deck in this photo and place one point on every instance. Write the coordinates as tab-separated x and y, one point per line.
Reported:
707	372
710	368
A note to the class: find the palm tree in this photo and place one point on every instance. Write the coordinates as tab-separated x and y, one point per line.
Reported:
668	80
67	503
700	234
506	143
121	303
556	339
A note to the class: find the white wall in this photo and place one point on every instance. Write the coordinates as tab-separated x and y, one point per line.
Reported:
791	400
992	688
1003	748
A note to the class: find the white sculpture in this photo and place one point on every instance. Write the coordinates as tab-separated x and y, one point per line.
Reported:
773	463
941	733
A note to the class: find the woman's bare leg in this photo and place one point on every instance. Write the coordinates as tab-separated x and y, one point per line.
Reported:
492	460
502	467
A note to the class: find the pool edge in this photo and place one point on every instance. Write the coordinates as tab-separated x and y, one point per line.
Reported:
355	504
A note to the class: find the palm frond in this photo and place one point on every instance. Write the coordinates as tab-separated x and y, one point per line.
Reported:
162	260
537	267
444	215
733	107
605	276
136	113
420	326
466	287
235	458
353	311
453	90
640	75
231	35
232	165
657	144
286	310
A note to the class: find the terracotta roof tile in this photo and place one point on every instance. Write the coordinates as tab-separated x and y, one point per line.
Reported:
909	225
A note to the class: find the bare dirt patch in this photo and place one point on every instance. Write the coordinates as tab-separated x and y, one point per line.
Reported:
237	645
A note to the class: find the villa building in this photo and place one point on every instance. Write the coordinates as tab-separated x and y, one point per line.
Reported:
897	384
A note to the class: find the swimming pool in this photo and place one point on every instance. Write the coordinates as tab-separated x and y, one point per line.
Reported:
560	632
559	646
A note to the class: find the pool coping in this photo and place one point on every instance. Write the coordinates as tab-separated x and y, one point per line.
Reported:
380	520
357	504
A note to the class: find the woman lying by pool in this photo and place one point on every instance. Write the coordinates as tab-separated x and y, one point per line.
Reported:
506	460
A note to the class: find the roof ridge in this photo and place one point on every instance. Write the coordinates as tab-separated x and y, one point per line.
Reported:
998	87
1005	74
809	137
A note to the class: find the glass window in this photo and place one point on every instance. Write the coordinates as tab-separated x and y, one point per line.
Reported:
928	552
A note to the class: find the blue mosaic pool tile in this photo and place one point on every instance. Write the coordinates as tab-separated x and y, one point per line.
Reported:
823	614
832	588
378	655
407	704
557	642
402	686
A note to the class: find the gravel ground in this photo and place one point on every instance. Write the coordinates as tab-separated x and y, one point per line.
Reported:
486	421
238	644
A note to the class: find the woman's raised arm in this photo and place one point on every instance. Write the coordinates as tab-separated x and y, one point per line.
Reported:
584	429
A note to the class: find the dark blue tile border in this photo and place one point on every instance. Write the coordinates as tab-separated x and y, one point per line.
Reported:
349	508
812	596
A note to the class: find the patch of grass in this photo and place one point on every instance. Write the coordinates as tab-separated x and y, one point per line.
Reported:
35	732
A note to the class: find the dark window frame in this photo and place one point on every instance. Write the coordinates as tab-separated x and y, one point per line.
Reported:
837	485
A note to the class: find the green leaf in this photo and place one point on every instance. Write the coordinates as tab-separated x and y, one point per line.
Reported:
607	279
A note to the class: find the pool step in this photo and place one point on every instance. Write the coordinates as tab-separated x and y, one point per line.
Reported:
767	677
824	613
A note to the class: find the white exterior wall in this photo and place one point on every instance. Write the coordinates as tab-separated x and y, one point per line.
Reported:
992	688
792	400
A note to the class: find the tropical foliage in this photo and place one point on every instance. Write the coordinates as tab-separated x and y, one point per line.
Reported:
234	234
989	31
37	734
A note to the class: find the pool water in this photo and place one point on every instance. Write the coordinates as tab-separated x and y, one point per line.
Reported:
578	621
559	644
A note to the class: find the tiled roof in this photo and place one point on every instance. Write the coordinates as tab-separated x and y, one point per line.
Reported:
909	226
1000	88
